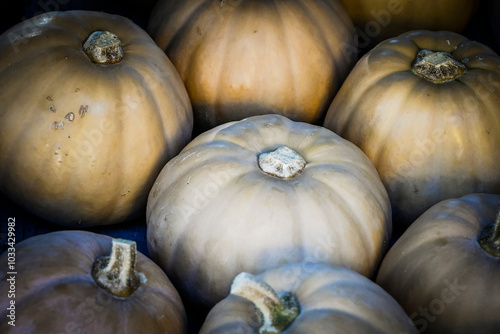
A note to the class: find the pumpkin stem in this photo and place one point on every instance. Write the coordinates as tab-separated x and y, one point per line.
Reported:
103	47
277	312
437	66
489	239
283	162
116	273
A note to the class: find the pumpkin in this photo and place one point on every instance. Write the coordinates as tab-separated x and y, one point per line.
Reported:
307	298
241	58
444	269
377	20
91	110
425	107
83	282
250	195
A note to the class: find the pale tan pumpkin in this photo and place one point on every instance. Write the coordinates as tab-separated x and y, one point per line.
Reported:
83	282
240	58
85	128
253	194
377	20
431	130
307	298
444	269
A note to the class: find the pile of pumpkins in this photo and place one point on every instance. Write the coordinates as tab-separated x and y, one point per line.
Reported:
303	166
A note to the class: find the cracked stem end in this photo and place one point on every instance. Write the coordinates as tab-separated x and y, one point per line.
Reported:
103	47
277	312
437	66
116	273
283	162
489	240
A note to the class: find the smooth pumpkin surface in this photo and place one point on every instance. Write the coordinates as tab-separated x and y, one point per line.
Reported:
213	212
428	140
328	299
240	58
55	290
81	142
377	20
439	272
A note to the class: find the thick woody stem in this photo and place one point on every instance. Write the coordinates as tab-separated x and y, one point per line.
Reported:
116	272
489	239
277	312
438	66
283	162
103	47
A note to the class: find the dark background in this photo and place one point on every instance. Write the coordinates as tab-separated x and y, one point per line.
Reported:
484	28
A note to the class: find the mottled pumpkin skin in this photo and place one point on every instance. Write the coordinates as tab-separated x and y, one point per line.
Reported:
428	141
440	275
81	143
240	58
56	293
332	300
377	20
213	213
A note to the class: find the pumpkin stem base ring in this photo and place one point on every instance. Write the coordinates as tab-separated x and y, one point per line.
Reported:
283	162
437	66
103	47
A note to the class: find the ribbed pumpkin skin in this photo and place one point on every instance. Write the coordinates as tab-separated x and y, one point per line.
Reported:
440	275
56	293
428	141
332	300
129	118
213	213
378	20
240	58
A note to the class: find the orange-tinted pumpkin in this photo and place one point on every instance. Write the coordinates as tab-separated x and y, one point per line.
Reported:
377	20
240	58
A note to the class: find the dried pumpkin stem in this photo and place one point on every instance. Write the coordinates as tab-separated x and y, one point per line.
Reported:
103	47
116	272
277	312
283	162
437	66
489	239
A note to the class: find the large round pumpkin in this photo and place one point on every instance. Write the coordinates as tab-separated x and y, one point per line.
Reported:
90	111
444	269
307	298
240	58
425	107
253	194
377	20
82	282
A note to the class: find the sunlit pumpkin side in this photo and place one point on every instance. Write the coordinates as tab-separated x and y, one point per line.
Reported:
425	108
241	58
